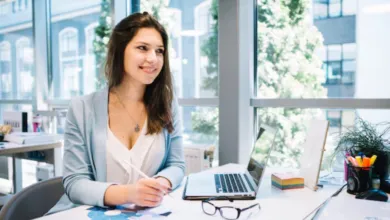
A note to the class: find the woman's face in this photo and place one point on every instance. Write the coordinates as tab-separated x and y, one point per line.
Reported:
144	56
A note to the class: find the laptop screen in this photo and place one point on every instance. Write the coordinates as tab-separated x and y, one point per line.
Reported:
260	153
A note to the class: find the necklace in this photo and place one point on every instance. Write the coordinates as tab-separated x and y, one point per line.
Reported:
136	128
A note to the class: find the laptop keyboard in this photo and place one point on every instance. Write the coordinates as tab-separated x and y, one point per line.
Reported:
229	183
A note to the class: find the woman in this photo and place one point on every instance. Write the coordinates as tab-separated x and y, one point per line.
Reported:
133	121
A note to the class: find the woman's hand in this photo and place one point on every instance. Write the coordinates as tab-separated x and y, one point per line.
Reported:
164	181
147	192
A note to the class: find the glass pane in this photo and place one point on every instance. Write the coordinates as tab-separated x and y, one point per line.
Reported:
334	52
334	9
73	24
349	7
200	126
16	50
321	53
193	30
320	10
289	54
349	51
334	73
349	71
292	125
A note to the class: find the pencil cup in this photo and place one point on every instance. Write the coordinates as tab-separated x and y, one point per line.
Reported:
359	179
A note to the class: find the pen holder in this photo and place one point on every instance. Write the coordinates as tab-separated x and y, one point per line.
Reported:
359	179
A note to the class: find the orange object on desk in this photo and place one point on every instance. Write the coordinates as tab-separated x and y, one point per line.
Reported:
366	162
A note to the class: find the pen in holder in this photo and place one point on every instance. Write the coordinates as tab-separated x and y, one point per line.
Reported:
359	179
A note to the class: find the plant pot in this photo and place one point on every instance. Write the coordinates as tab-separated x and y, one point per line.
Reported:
381	166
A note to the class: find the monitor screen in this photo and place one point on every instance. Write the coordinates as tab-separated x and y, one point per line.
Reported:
260	153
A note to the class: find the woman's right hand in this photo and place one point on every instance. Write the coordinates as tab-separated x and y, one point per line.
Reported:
147	192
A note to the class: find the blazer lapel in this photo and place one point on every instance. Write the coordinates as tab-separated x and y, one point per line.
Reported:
99	132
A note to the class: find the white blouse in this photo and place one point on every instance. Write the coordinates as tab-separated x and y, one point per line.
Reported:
146	154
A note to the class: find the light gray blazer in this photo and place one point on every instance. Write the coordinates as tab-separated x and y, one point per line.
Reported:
84	173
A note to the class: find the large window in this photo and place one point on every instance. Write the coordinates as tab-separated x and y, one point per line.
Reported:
299	78
288	146
73	25
16	50
193	31
323	9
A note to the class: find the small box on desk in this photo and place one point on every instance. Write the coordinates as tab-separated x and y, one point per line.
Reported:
287	181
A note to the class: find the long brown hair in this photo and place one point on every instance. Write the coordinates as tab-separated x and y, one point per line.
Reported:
158	95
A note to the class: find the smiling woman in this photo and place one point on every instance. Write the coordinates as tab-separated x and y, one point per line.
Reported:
134	121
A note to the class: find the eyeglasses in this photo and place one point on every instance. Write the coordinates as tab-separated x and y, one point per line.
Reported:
227	212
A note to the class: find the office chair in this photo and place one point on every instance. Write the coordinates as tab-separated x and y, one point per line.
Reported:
33	201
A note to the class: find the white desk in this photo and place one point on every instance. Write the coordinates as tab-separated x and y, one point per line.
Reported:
52	151
275	203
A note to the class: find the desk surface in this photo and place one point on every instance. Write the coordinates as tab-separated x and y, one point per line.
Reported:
10	148
275	203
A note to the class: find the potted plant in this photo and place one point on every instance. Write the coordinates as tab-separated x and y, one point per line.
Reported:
365	138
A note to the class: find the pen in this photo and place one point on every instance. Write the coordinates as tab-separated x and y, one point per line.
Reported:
353	161
141	173
366	162
372	159
359	161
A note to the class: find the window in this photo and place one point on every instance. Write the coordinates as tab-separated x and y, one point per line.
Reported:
320	10
194	42
16	50
339	64
323	9
334	8
300	79
73	25
24	65
5	70
193	32
69	68
5	8
90	58
204	26
334	118
288	145
349	7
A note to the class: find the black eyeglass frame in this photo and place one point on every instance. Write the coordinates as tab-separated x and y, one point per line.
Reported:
218	208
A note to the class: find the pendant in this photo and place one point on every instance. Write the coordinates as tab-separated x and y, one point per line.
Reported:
136	129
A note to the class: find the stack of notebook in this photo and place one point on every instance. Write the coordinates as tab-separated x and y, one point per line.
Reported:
287	181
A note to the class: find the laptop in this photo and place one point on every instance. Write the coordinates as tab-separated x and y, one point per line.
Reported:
234	185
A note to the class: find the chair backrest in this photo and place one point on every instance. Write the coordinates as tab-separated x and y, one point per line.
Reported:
33	201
